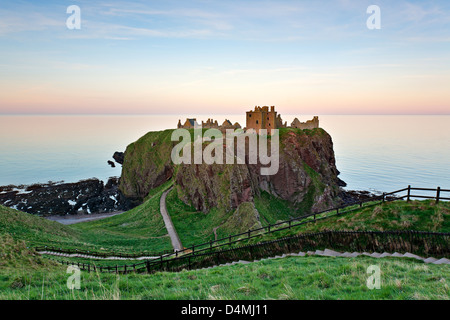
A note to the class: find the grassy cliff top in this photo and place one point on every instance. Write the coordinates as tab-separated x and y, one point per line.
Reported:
390	216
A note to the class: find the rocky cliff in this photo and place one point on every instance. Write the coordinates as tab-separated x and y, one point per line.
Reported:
307	175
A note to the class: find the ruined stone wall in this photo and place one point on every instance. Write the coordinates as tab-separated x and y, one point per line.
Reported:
310	124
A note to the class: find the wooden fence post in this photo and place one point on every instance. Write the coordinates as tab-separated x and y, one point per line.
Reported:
438	193
409	193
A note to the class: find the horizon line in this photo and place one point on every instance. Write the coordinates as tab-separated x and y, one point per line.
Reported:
233	114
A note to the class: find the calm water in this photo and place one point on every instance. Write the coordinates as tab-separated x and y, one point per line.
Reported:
379	153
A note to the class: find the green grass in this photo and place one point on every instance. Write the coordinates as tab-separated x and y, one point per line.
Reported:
148	156
398	215
272	209
15	254
194	227
140	229
137	230
25	275
36	230
290	278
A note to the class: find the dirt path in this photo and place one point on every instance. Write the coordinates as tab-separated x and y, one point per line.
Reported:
176	243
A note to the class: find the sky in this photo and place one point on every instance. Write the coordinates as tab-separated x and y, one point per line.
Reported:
217	57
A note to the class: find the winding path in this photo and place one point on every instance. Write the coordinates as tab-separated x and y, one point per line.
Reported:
176	243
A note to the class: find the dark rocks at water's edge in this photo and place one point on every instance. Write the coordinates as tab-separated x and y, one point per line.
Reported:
355	196
119	157
83	197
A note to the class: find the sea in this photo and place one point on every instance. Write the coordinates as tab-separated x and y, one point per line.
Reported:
377	153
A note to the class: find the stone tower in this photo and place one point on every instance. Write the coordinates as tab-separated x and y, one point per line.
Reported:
262	118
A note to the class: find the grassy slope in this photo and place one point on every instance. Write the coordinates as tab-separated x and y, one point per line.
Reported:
193	226
15	254
35	230
140	229
272	209
148	155
289	278
399	215
196	227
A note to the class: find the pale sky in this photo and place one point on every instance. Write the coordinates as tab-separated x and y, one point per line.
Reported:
214	57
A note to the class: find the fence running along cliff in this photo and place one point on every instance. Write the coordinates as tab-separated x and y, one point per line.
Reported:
196	250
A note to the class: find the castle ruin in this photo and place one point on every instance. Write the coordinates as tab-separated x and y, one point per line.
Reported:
209	124
257	119
263	118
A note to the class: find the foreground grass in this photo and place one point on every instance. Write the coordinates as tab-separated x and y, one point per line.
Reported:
291	278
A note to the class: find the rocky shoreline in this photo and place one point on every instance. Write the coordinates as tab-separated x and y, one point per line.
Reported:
92	196
89	196
349	197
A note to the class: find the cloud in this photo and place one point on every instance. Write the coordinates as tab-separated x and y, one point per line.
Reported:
11	22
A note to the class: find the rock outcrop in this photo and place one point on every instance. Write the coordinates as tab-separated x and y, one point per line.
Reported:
119	157
307	175
87	196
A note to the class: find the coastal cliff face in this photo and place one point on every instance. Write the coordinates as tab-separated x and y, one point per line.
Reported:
307	175
146	165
